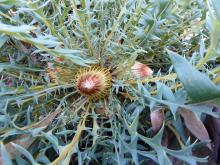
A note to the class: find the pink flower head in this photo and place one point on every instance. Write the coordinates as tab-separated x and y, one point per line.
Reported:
141	70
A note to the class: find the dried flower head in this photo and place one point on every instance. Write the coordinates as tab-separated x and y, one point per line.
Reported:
52	72
93	82
141	70
59	59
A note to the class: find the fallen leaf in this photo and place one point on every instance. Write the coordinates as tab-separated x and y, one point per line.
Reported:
213	126
27	143
101	111
195	125
157	118
127	95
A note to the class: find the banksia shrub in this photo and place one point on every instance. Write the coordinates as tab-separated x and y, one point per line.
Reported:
109	82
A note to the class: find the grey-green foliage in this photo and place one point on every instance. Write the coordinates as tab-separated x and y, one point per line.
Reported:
113	34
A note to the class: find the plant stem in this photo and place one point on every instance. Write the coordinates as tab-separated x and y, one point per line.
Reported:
68	149
176	134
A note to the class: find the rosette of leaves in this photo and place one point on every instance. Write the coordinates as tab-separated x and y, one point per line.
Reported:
45	119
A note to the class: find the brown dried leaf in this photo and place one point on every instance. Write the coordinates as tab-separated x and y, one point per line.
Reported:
157	118
128	96
213	126
101	111
48	119
27	143
195	125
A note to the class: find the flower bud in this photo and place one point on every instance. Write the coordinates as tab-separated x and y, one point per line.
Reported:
141	70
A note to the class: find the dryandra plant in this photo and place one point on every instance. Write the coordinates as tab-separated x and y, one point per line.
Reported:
109	81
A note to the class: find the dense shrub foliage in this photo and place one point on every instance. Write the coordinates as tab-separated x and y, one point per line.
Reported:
109	81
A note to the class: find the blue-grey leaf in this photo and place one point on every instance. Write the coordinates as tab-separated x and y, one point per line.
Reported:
198	86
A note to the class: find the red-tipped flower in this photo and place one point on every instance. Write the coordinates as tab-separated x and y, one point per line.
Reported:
141	70
93	82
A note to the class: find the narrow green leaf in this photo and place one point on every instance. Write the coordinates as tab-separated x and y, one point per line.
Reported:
25	153
184	155
4	157
216	6
3	39
18	67
155	143
4	28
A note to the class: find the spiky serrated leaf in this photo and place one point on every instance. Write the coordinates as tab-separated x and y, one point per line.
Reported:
198	86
